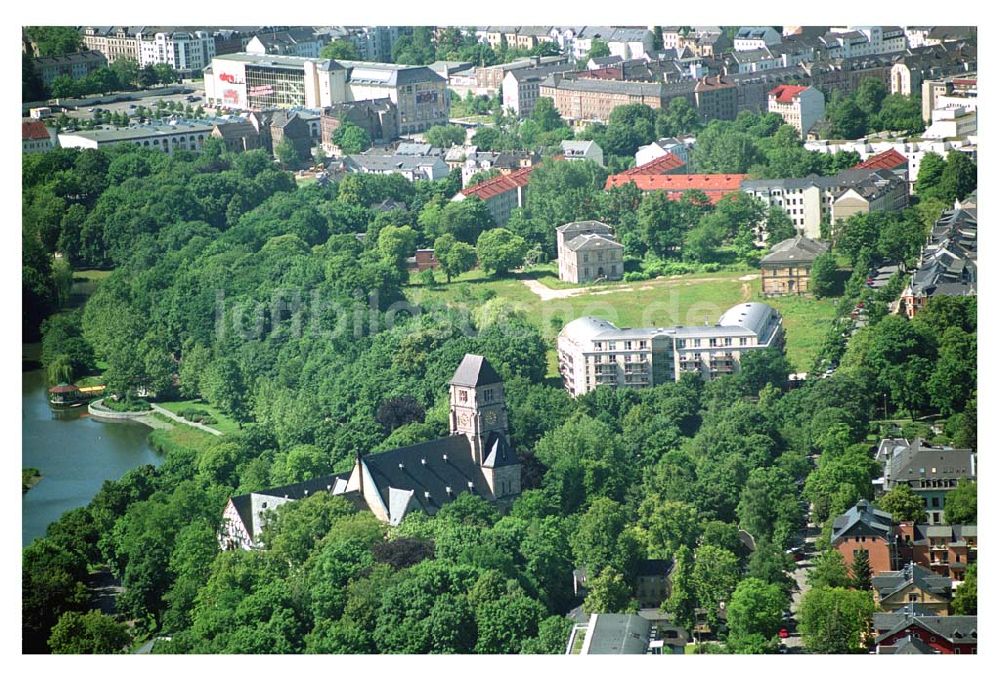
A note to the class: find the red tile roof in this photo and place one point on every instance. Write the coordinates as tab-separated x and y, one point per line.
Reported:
499	184
715	186
890	159
33	130
786	93
661	165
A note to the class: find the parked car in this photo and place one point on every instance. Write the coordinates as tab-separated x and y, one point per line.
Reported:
783	633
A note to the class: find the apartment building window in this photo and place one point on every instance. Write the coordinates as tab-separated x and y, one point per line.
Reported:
743	341
697	343
711	343
728	341
628	345
642	345
681	343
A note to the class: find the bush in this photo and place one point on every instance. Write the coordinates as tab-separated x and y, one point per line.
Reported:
127	404
637	276
196	415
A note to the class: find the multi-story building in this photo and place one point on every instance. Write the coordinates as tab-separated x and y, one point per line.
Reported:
239	136
490	78
947	550
299	41
582	150
586	99
594	352
952	92
413	167
587	251
585	40
378	117
755	37
168	138
661	148
931	471
800	107
75	65
649	177
912	584
521	85
374	43
502	194
477	457
259	82
114	42
813	200
631	43
949	262
909	631
786	269
187	52
35	137
715	98
864	528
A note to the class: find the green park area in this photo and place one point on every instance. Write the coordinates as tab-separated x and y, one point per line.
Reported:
200	411
666	301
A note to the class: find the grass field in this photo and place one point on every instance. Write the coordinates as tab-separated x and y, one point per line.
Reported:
678	300
180	436
223	423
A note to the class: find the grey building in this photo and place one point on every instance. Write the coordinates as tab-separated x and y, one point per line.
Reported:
931	471
949	263
587	251
76	65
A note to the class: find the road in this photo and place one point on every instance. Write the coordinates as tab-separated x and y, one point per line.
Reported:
794	641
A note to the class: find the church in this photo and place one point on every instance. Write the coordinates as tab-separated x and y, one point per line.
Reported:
476	457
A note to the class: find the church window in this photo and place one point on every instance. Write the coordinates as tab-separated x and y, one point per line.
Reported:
488	395
463	396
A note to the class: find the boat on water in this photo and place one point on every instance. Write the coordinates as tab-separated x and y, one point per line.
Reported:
66	396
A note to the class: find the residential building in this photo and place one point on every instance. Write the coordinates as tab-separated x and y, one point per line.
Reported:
587	251
755	37
521	86
631	43
919	36
114	42
472	161
168	138
476	457
891	160
661	148
238	136
786	269
950	123
949	262
492	77
374	43
813	200
715	98
903	631
187	52
652	582
594	352
714	186
912	584
947	550
378	117
422	259
617	634
582	150
800	107
585	40
300	41
413	167
35	137
588	99
292	126
931	471
76	65
864	528
419	94
951	92
502	194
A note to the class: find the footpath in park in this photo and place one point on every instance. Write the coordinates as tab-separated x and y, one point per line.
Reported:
180	419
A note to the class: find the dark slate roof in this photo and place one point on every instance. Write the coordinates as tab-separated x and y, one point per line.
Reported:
430	467
475	370
891	582
592	242
862	513
498	452
296	491
956	629
911	645
655	567
920	461
619	634
798	249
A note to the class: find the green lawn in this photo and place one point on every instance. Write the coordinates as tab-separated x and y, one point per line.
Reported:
223	423
181	437
680	300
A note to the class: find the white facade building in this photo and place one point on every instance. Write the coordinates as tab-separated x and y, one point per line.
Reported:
167	138
800	107
755	37
582	150
594	352
187	52
661	147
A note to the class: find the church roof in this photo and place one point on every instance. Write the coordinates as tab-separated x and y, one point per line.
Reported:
498	452
474	371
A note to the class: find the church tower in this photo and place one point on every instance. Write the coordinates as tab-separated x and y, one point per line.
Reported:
479	412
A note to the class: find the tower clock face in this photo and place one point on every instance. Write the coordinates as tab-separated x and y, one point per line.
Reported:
491	418
464	419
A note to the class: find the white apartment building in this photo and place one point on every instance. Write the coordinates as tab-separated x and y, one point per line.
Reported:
852	41
582	150
594	352
520	86
755	37
661	147
951	123
801	107
187	52
631	43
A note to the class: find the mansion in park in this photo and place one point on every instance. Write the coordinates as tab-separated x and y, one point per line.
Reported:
594	352
587	251
476	457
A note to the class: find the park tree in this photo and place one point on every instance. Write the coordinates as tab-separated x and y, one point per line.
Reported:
769	505
861	571
823	276
678	118
903	503
965	601
223	386
829	570
287	154
546	115
779	226
608	593
683	598
351	139
835	620
755	609
959	177
453	256
340	49
716	574
500	250
55	40
929	176
847	118
602	541
869	96
88	633
445	136
667	525
395	243
960	504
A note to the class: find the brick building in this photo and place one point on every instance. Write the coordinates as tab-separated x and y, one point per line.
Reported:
502	194
864	528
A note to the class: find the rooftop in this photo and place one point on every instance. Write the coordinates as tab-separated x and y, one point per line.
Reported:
499	184
715	186
796	249
786	93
